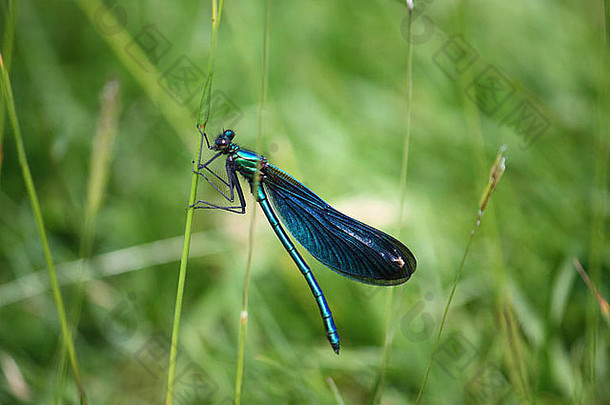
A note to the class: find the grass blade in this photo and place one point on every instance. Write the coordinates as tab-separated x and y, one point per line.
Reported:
7	50
29	183
241	352
101	156
517	366
494	250
110	264
496	172
180	292
390	299
216	14
336	393
599	204
604	307
17	384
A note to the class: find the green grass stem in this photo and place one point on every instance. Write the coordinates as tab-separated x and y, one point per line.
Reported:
336	393
243	319
390	296
180	291
99	166
517	366
604	307
206	94
494	252
7	50
216	14
31	189
496	172
99	162
598	204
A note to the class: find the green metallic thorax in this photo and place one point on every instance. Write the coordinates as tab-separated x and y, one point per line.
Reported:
246	162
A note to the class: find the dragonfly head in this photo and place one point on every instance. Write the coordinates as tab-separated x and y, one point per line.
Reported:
223	141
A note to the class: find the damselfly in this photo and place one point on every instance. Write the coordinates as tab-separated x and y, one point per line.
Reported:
345	245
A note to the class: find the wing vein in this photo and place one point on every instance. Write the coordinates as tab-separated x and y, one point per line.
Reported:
349	247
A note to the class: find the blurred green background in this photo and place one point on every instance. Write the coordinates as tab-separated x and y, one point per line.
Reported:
523	327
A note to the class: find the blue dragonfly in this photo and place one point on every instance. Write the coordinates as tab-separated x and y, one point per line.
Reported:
347	246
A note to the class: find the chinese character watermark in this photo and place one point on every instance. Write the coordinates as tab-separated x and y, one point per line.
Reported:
151	50
491	90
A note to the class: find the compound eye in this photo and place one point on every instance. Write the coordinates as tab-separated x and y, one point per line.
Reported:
230	134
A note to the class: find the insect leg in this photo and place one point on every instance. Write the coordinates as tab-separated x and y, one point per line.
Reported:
233	186
202	174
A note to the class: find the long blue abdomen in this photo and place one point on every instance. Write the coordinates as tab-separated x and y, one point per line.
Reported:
327	317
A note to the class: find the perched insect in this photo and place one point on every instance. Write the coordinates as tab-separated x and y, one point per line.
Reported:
345	245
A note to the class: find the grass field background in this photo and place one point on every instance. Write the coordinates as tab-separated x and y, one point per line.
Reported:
107	96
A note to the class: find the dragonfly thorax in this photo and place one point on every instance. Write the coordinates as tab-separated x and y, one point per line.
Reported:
248	163
244	161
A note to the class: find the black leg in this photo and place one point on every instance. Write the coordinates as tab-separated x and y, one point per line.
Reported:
205	166
231	177
203	135
233	185
199	165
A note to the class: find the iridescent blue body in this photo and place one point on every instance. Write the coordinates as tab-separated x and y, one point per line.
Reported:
347	246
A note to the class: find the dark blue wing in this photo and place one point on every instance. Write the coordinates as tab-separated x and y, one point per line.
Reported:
351	248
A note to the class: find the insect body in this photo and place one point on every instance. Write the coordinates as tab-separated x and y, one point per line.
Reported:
347	246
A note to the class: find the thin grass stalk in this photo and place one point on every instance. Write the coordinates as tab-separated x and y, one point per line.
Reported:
494	252
7	50
518	355
379	383
598	207
496	172
517	367
606	18
180	292
171	375
604	307
206	94
598	203
390	297
243	318
336	393
101	156
100	160
31	189
510	330
110	264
